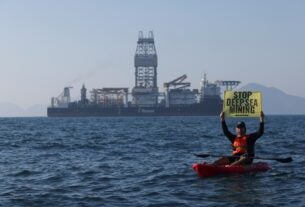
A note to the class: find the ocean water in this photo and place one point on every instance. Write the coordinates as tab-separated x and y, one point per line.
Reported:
143	161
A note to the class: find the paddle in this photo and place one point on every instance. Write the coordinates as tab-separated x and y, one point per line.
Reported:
283	160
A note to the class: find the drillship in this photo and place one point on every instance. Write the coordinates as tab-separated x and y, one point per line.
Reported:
144	99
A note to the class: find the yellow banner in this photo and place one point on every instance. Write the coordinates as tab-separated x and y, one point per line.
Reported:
242	103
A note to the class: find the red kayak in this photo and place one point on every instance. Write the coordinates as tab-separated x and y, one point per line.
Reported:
207	170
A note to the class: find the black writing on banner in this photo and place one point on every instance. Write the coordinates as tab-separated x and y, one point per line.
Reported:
242	103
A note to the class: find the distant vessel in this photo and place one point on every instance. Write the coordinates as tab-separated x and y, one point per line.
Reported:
145	99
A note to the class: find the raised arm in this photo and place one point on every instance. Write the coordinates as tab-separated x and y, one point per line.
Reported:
225	129
260	131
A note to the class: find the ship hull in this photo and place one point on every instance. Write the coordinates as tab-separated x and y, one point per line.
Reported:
202	109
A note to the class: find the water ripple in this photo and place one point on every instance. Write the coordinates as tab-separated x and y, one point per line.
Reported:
143	161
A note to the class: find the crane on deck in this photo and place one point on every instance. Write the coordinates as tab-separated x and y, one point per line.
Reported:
177	83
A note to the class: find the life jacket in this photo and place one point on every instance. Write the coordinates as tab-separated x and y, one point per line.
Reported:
240	145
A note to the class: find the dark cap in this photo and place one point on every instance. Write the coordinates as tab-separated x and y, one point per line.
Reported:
240	124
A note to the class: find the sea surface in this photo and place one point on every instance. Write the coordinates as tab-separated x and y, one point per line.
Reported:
143	161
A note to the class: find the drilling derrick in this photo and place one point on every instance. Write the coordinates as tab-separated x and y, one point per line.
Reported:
145	91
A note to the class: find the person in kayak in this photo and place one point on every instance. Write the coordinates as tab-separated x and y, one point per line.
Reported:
242	143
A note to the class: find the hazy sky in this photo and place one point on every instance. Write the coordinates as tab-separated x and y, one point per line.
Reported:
46	45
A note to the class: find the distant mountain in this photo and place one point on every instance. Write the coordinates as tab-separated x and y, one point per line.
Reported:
276	101
12	110
36	110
